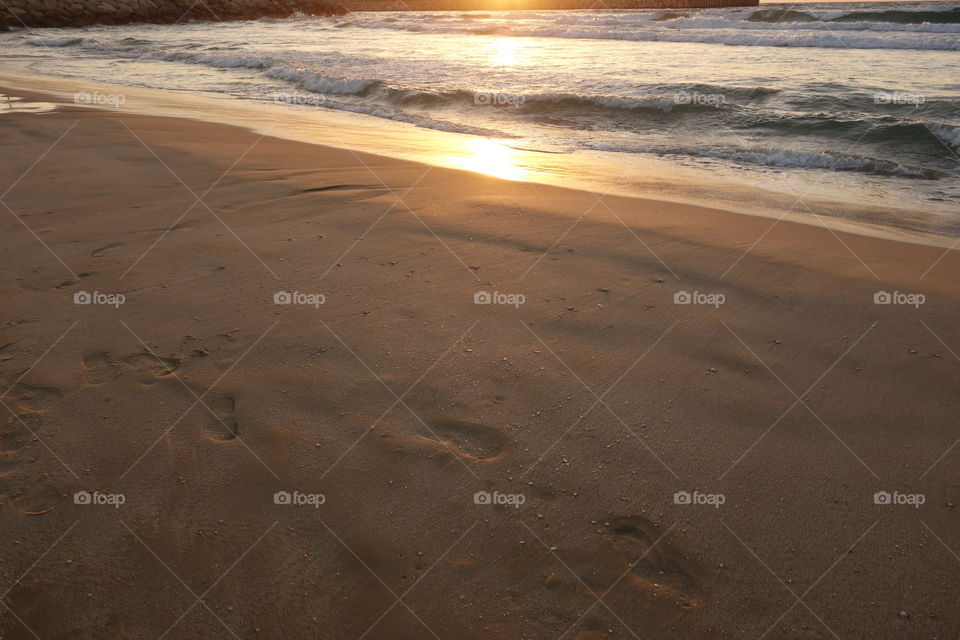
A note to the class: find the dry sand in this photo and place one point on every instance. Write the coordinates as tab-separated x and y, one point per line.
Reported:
398	399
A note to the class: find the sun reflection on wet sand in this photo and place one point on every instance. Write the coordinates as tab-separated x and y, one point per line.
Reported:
15	104
490	157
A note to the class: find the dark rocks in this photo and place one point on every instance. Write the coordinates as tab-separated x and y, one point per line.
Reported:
78	13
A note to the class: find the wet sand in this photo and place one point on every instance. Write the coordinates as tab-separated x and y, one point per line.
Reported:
382	399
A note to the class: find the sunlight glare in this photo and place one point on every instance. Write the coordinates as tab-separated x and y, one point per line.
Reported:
490	157
505	53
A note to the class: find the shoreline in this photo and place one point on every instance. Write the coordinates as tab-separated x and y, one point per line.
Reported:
595	172
200	405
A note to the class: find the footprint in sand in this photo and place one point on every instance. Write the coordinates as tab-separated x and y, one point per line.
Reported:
634	536
224	426
7	352
15	432
35	398
151	367
100	367
102	251
469	439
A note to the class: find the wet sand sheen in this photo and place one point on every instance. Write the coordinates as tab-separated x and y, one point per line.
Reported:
199	399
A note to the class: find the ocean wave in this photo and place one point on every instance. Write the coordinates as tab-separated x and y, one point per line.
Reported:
814	37
900	29
388	113
56	42
948	134
217	60
787	159
915	136
903	17
316	83
681	23
666	99
676	99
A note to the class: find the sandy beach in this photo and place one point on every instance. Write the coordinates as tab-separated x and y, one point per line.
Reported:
258	388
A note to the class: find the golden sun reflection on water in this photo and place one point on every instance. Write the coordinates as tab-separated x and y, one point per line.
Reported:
504	53
490	157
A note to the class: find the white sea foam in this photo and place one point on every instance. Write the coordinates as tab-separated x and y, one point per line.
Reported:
310	81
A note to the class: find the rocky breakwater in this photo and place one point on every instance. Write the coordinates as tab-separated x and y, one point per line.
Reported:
77	13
